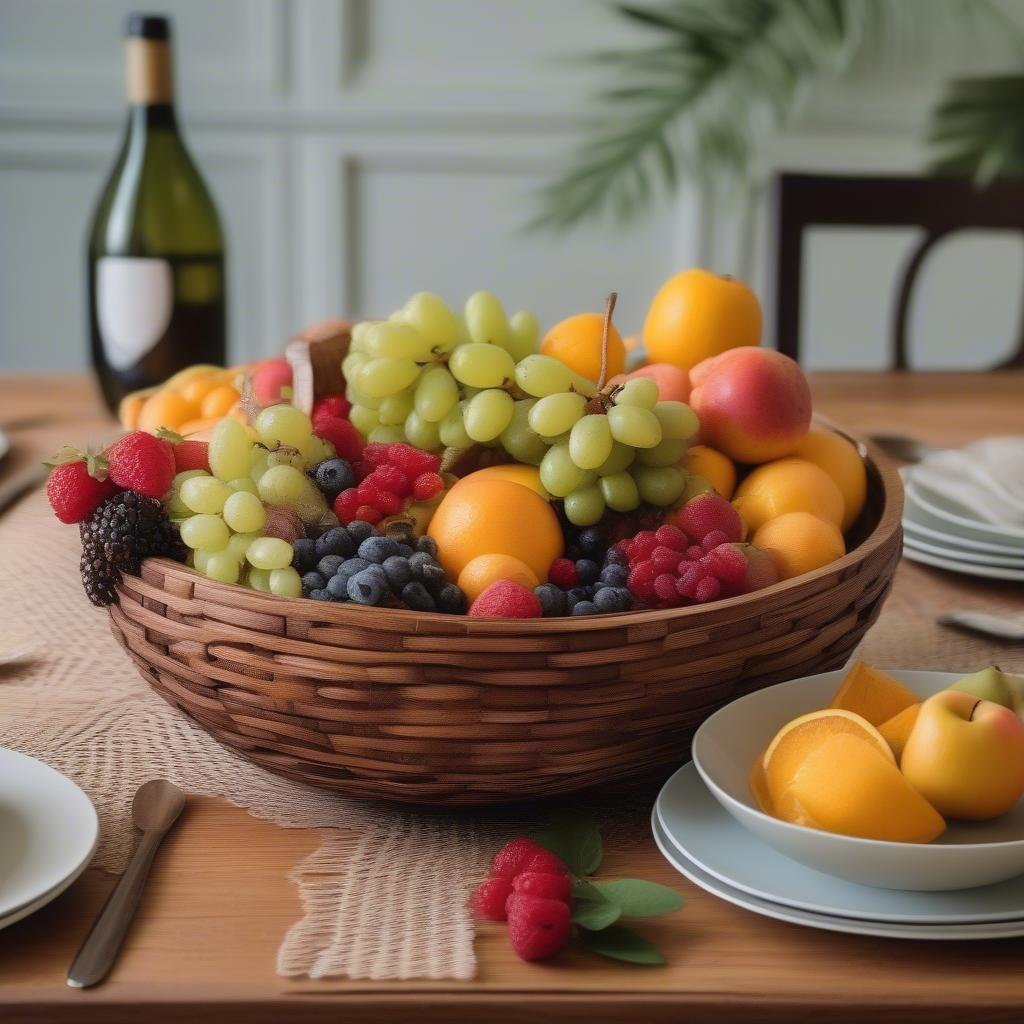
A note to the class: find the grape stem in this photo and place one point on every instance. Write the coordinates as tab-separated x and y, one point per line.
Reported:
609	308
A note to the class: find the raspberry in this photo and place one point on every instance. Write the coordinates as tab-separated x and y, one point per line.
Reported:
641	581
506	598
427	486
388	504
368	514
563	573
489	899
708	589
544	862
374	455
543	883
368	492
642	546
728	563
511	859
761	569
391	478
689	579
666	560
537	927
694	553
412	461
333	406
347	441
713	538
346	503
665	588
670	536
707	512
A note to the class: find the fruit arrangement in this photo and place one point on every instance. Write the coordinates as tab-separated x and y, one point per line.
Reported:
473	466
879	763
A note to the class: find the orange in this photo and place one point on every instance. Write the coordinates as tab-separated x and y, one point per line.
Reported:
841	460
873	694
196	390
484	570
219	401
576	341
897	729
487	517
714	467
788	485
846	785
197	425
129	408
165	409
799	543
528	476
696	315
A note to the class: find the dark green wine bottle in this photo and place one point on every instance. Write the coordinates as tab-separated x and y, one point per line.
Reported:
156	252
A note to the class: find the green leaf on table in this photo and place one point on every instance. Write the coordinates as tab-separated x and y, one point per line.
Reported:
620	943
637	898
591	908
577	840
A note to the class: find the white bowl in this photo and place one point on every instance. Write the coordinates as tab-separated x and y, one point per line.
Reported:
967	855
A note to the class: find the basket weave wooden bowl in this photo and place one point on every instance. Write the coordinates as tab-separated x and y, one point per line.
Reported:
443	709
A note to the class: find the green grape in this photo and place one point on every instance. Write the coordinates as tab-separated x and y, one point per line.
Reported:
285	582
677	420
356	397
282	424
453	428
667	452
230	450
590	443
286	456
282	485
482	366
556	414
486	322
436	394
421	433
239	544
523	332
269	553
585	506
352	365
519	439
176	508
363	418
222	566
259	579
621	458
558	473
620	492
386	435
640	391
205	494
386	376
397	341
243	483
541	376
429	314
260	464
395	408
316	449
198	559
659	485
357	342
311	505
488	414
244	513
205	532
639	428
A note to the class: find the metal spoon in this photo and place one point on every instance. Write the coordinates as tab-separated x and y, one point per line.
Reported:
155	809
903	448
982	622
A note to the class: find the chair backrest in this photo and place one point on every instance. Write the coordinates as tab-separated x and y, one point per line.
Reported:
938	205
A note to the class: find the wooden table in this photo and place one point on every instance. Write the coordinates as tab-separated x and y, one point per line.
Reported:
204	943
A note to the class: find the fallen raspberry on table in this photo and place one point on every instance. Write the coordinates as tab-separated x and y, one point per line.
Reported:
512	858
537	927
489	899
141	462
552	886
707	512
508	599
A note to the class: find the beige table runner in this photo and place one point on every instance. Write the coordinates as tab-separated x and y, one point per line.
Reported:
384	896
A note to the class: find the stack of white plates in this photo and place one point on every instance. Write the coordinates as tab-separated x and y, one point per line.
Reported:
964	509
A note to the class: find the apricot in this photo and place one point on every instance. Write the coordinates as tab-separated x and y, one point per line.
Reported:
714	467
697	314
800	542
788	485
166	408
576	341
753	404
840	459
484	570
873	694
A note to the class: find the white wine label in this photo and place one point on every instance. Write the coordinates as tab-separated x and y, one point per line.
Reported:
134	304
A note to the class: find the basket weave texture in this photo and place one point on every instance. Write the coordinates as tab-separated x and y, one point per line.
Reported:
441	709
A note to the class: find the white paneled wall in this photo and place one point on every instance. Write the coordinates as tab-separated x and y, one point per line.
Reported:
360	150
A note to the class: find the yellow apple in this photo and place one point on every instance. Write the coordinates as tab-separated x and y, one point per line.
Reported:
965	756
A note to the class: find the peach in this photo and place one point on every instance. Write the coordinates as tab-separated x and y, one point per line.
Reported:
754	404
673	381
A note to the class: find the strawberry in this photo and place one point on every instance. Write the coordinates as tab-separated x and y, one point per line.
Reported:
188	454
77	483
143	463
537	927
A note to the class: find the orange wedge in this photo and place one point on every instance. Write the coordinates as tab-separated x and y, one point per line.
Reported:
873	694
897	729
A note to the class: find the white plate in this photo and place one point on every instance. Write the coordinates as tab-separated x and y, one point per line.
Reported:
958	555
48	832
706	834
947	517
828	922
966	855
989	572
953	544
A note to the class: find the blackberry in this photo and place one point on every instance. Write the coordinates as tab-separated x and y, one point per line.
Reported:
120	533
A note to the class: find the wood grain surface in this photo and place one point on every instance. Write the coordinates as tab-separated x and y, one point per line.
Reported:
204	944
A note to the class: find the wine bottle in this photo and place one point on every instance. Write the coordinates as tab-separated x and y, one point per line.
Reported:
156	252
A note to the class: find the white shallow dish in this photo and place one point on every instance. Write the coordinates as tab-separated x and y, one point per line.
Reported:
965	856
930	509
828	922
703	832
953	545
48	833
989	572
956	554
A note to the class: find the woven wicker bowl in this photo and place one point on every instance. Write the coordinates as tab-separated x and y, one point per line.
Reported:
440	709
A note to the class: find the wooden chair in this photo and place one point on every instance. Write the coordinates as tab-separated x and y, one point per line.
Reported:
940	206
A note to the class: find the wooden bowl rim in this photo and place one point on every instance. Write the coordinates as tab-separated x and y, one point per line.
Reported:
439	623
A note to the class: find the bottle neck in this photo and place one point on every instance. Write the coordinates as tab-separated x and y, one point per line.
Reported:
148	81
147	117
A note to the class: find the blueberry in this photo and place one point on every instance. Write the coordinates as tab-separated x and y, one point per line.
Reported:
590	542
451	600
587	570
405	550
359	530
427	544
416	597
432	573
416	562
397	570
349	568
320	595
552	599
615	575
627	598
304	556
576	594
367	587
313	581
584	608
328	565
337	587
614	556
335	542
333	476
376	549
609	599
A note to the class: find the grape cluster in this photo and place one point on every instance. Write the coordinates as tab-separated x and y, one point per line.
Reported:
586	586
390	476
358	564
